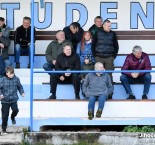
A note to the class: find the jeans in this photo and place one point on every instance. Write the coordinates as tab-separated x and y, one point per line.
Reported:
48	66
22	51
7	63
101	102
145	79
5	113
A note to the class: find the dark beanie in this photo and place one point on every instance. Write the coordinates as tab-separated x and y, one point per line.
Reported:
2	19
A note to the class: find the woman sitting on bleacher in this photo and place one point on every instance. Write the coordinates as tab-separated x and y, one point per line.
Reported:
137	60
85	47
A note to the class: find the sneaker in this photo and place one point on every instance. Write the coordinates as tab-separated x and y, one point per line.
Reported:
13	121
144	96
90	115
52	97
98	113
3	133
131	97
17	65
77	97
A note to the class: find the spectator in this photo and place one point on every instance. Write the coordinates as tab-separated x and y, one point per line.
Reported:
66	61
105	46
137	60
85	47
74	33
54	49
22	40
98	23
5	41
97	86
2	65
8	94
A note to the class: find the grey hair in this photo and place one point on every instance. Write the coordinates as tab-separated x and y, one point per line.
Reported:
97	64
136	48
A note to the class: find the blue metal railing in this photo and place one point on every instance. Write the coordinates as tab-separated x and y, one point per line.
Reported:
31	64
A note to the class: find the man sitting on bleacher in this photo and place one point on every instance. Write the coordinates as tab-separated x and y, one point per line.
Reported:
68	60
137	60
22	40
54	49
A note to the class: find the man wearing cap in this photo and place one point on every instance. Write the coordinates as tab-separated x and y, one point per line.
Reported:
4	41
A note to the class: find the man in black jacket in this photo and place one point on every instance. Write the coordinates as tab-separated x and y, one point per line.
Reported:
22	40
66	61
74	33
98	23
105	46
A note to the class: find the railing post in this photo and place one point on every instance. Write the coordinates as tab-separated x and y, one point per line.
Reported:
31	64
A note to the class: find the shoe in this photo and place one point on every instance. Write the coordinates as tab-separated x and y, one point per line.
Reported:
144	96
52	97
98	113
17	65
3	133
77	97
13	121
90	115
28	66
131	97
110	97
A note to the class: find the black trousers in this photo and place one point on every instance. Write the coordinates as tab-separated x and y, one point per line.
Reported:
5	113
74	79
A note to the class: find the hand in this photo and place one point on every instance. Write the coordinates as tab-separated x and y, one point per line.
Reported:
54	62
23	94
67	74
86	61
1	96
134	75
1	45
62	78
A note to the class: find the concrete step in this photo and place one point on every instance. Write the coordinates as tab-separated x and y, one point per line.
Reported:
11	139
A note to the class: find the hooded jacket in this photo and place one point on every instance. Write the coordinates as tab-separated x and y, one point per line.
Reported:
9	87
4	39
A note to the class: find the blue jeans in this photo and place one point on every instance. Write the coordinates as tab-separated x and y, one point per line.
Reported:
101	101
22	51
126	81
48	66
7	63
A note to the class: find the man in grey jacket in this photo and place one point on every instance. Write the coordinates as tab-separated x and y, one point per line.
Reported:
54	49
4	41
97	86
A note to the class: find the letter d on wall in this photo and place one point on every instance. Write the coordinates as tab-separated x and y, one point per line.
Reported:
82	10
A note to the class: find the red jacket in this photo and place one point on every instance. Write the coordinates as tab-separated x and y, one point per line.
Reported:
133	63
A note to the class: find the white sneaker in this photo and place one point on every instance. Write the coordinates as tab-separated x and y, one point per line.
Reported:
3	133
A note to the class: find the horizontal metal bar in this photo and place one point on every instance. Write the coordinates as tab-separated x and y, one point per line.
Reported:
92	71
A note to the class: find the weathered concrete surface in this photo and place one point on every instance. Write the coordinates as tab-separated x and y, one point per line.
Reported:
101	138
15	129
68	138
14	136
11	139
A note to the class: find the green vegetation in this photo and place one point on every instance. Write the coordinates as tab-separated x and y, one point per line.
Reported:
139	129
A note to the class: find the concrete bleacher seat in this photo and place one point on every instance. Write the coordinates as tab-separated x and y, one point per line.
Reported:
66	110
